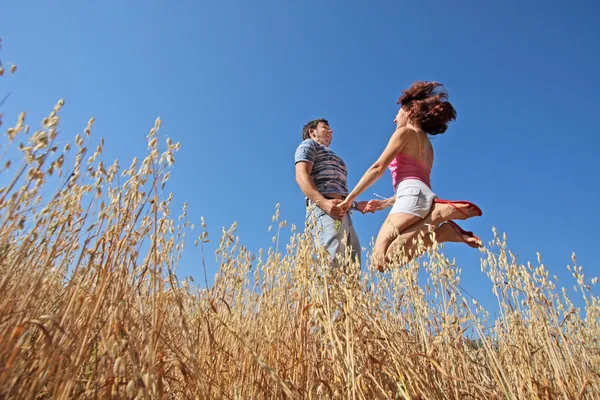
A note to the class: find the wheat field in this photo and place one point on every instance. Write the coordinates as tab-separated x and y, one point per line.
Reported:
91	305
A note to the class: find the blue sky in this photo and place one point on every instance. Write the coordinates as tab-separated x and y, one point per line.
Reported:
234	81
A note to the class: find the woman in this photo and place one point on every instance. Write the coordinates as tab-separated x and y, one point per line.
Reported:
424	111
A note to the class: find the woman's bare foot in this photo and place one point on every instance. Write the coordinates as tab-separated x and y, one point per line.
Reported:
451	232
443	212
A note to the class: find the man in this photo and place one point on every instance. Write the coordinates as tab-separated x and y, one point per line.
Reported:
322	177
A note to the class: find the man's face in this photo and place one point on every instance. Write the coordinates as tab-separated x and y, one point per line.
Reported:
322	134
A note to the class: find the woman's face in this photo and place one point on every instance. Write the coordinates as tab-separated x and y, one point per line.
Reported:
401	118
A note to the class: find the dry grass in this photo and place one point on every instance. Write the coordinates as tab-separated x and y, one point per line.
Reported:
91	306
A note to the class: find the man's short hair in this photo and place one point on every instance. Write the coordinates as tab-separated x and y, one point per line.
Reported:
312	125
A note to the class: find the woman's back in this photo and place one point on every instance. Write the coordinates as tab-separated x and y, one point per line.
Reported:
419	146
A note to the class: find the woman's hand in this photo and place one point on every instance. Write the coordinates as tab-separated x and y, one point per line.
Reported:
375	205
345	205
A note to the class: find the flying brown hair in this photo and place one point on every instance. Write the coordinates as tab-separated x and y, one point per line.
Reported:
428	107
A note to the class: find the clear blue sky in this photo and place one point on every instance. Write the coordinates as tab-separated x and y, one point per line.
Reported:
234	81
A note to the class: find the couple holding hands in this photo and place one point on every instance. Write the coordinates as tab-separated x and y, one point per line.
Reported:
415	208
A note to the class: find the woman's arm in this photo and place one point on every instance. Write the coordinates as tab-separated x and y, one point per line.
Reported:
396	144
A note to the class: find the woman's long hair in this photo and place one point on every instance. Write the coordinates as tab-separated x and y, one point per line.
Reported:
428	106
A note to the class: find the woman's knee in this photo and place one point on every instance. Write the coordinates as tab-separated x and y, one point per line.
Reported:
382	244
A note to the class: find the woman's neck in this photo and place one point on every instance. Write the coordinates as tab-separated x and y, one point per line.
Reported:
416	127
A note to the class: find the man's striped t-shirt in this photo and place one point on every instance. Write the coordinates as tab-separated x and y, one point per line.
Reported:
329	170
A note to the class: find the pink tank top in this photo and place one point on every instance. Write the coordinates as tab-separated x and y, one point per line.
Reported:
408	167
405	167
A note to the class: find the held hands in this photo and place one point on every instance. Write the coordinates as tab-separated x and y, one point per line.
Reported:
333	209
365	206
360	206
345	205
337	209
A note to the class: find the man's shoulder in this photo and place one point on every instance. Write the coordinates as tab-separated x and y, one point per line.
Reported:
308	143
306	151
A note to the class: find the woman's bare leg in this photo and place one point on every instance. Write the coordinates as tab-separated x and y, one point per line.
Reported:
393	225
407	237
411	249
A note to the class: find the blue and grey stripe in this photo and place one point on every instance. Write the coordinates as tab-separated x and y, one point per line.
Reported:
328	172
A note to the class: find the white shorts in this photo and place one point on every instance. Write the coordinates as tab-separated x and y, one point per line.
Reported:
413	197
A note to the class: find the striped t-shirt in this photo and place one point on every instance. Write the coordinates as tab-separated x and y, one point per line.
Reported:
328	172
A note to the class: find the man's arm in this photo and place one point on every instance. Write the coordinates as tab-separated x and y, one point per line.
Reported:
307	185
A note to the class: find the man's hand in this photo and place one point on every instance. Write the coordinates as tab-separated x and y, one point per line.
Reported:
362	207
332	208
